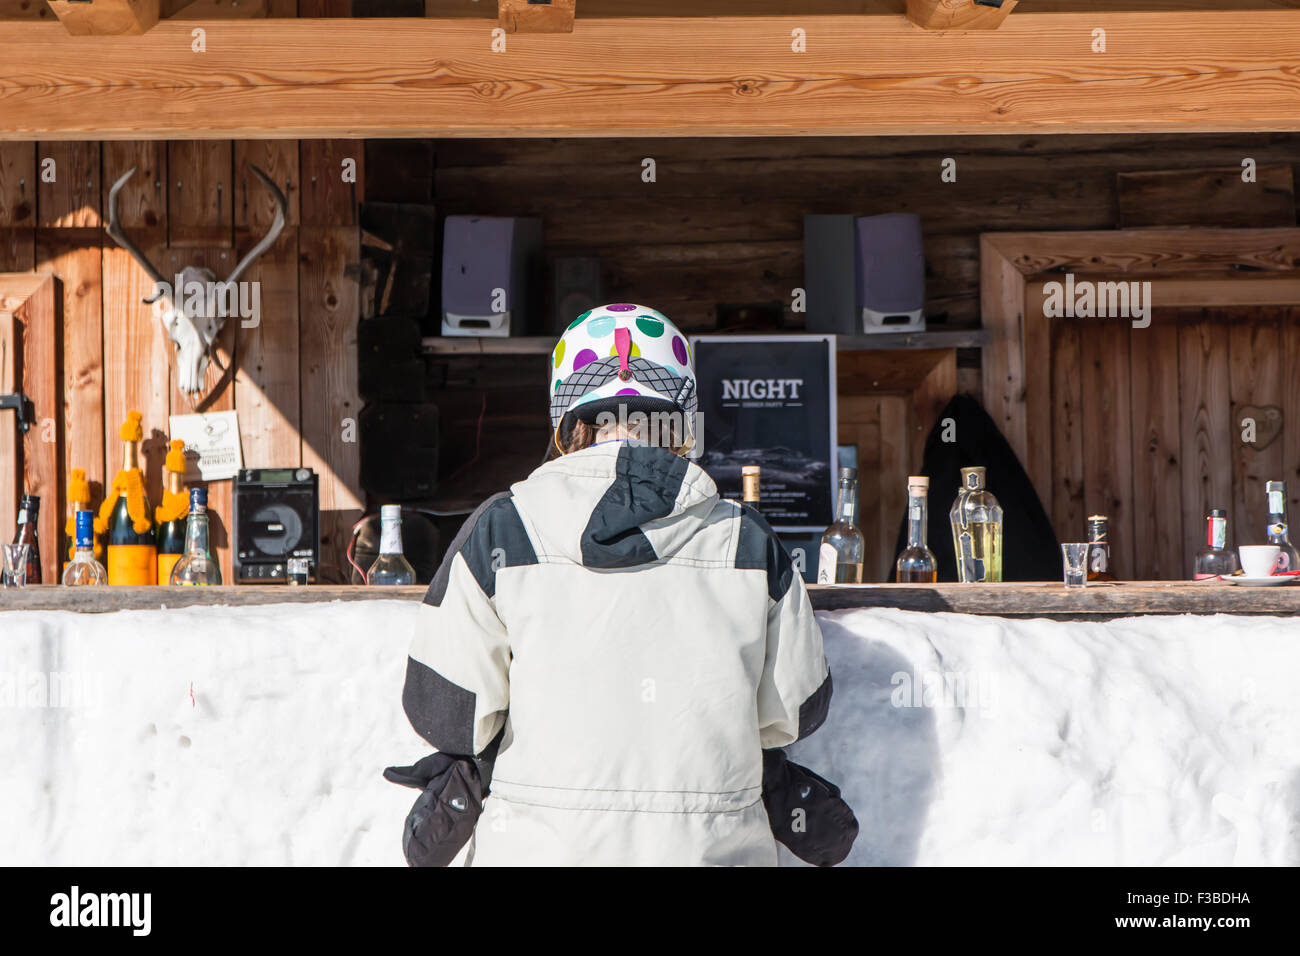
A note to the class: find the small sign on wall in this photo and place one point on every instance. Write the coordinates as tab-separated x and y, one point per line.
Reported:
212	449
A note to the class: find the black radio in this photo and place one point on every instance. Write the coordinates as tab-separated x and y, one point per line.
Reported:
276	517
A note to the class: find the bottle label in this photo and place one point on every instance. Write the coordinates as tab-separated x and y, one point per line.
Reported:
827	559
165	564
1276	503
1218	533
22	516
132	564
390	541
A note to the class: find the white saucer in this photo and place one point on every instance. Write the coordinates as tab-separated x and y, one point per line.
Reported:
1270	581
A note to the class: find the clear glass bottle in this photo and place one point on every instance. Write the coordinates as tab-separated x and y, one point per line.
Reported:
1215	560
839	560
976	519
83	569
1288	559
916	564
1099	549
391	567
196	565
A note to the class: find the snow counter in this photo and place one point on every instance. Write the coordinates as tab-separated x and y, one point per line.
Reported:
1012	724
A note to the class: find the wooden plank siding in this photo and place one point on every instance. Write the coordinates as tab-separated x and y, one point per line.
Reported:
187	204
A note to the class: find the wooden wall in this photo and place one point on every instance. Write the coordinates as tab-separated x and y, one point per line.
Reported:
196	203
1147	428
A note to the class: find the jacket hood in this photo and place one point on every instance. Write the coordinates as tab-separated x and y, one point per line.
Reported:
617	504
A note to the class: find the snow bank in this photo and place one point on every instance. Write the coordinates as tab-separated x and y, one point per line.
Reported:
256	735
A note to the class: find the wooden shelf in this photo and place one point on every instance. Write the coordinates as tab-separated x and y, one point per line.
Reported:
1013	600
542	344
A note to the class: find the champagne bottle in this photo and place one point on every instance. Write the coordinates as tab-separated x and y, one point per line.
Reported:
976	519
29	510
749	475
391	567
1099	548
1287	559
132	550
196	565
83	569
839	560
171	514
916	564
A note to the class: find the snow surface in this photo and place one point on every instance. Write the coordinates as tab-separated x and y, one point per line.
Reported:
257	735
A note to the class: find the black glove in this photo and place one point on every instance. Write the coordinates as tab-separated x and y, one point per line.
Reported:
443	817
823	833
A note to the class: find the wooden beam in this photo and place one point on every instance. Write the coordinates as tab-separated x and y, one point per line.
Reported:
959	14
106	17
536	16
1162	72
221	10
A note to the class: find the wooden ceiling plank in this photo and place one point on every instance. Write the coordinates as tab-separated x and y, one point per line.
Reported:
1162	72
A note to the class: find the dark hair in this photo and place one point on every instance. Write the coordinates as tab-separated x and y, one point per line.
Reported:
574	434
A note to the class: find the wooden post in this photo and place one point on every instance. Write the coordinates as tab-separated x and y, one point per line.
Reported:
959	14
536	16
106	17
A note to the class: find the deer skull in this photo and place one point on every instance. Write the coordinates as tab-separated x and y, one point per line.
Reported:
193	321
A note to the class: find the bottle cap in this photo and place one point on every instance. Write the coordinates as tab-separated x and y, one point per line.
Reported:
198	499
1218	513
749	469
973	477
1098	518
918	481
851	473
1275	486
85	531
30	502
390	513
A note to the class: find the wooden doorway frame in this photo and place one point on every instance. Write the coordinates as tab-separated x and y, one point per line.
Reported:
31	351
1187	268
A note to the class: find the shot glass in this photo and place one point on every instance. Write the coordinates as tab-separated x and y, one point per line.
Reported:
1075	559
15	565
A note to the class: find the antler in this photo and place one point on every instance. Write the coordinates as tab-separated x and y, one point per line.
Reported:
281	205
114	229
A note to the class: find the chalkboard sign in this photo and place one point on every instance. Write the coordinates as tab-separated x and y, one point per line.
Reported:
770	401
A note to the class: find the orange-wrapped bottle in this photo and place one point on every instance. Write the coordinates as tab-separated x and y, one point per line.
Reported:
79	500
170	515
132	549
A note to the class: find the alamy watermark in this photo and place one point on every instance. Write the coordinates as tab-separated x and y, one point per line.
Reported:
210	298
966	690
1085	299
56	689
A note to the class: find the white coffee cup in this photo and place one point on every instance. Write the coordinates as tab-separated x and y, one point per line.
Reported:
1258	560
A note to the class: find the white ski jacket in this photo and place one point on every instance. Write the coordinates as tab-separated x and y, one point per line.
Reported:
616	645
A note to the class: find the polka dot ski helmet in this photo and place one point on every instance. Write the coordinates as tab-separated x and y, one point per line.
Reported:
621	354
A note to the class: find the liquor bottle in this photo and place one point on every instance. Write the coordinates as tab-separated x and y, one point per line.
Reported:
196	565
1099	548
83	569
132	550
839	560
29	509
976	519
391	567
78	501
1287	559
916	564
749	475
170	515
1215	560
